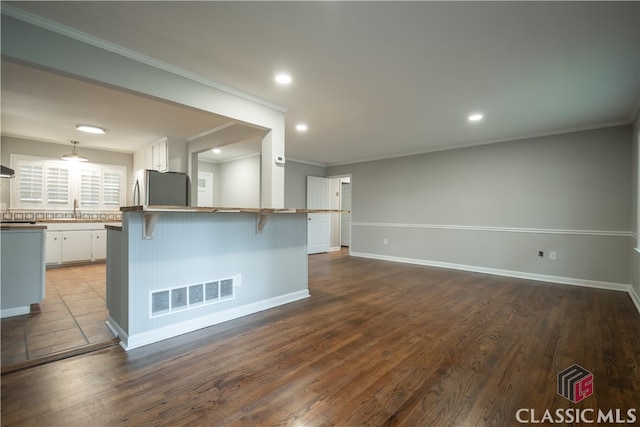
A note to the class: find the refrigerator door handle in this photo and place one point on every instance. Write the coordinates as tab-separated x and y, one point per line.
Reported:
136	193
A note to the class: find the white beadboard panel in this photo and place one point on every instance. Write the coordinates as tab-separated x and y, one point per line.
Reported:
598	258
190	248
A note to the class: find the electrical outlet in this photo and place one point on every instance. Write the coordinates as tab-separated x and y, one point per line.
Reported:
553	255
385	241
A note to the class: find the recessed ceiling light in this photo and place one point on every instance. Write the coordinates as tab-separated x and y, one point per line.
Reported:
283	79
302	127
91	129
217	150
475	117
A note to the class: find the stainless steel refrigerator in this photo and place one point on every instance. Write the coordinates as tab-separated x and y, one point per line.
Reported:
161	188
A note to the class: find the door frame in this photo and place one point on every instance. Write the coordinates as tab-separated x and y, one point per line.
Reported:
350	176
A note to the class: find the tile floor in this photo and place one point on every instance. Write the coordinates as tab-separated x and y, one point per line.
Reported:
71	316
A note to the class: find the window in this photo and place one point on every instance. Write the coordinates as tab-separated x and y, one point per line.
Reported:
55	184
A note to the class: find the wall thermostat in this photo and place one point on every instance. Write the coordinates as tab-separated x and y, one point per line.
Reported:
280	160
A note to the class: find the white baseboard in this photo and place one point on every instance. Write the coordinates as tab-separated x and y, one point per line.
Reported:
15	311
132	341
623	287
634	297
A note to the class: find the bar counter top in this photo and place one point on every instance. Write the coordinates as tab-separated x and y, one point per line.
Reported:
152	208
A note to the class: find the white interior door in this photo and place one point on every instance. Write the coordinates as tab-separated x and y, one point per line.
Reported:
318	224
205	189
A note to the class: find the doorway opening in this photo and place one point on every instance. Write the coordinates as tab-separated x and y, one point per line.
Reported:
331	231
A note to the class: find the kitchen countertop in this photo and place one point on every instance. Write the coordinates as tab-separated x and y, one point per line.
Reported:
75	220
18	226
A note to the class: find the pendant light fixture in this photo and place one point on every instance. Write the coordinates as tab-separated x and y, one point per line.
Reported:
74	156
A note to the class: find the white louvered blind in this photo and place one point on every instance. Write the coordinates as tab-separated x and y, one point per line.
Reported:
90	188
111	188
30	180
57	185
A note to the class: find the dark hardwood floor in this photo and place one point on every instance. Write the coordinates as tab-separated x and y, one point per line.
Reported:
378	343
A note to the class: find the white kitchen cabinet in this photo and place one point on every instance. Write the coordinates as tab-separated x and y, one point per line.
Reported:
159	155
163	155
53	247
99	245
76	242
76	246
153	156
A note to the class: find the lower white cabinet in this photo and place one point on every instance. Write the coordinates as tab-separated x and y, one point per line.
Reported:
75	245
99	244
53	247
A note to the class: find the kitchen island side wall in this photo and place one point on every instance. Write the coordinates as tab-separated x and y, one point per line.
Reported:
192	251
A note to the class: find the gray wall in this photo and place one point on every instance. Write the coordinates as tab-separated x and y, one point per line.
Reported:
240	183
10	145
235	183
295	182
495	206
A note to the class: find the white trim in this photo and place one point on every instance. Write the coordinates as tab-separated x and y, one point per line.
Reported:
306	162
487	142
115	329
497	229
132	341
634	297
622	287
15	311
91	40
499	272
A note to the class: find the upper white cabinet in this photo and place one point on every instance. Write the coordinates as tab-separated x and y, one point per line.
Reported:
153	156
163	155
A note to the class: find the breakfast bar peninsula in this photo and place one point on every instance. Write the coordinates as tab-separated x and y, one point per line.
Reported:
172	270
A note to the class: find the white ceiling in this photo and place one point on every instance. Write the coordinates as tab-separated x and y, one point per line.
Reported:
371	79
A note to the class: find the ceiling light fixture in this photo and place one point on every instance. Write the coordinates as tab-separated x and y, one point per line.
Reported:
302	127
475	117
91	129
217	150
74	156
283	79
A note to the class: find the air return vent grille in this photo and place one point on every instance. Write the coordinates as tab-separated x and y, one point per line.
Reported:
167	301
